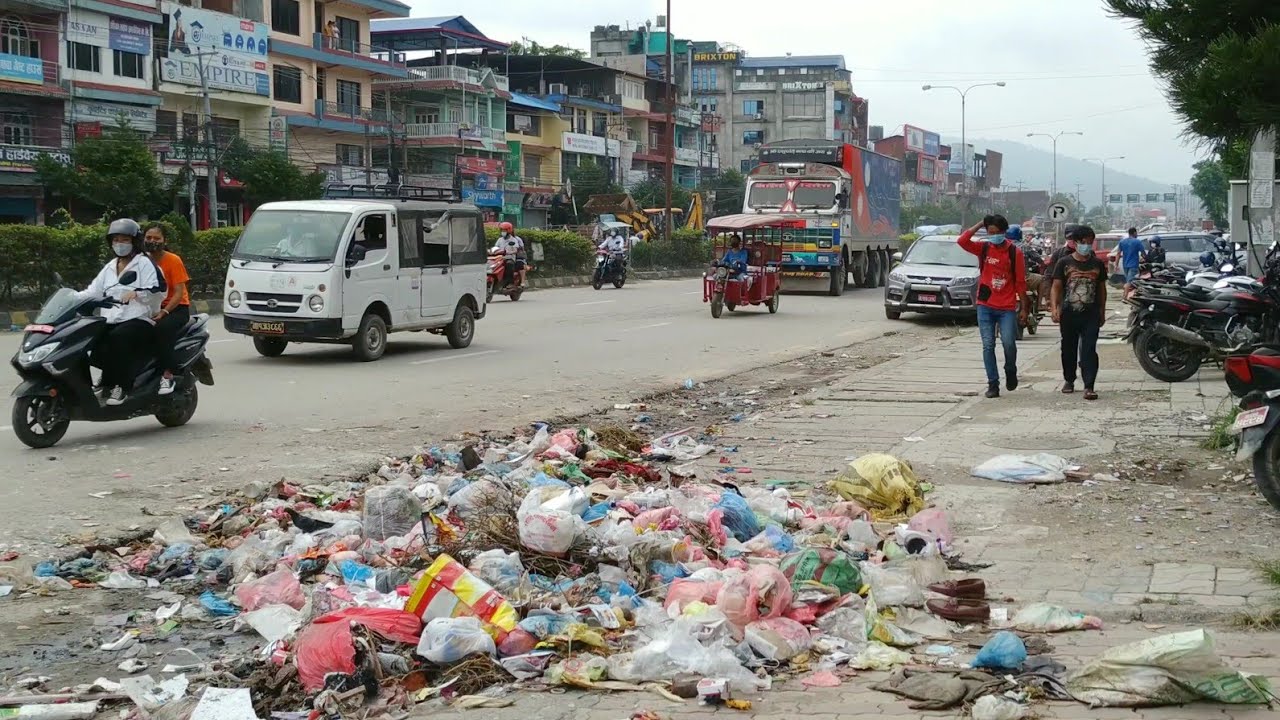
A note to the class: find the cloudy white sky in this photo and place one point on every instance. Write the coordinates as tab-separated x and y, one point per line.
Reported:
1068	65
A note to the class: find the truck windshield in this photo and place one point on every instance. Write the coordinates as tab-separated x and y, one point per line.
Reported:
292	236
768	194
814	195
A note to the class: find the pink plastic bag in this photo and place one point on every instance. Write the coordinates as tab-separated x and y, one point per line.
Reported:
933	522
682	592
778	638
563	444
667	518
715	525
322	649
849	509
762	592
277	588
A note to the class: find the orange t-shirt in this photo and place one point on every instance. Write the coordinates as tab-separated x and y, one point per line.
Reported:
175	274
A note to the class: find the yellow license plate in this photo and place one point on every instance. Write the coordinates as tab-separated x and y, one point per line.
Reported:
267	328
802	274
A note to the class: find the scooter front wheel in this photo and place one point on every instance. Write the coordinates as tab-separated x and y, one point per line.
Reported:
38	421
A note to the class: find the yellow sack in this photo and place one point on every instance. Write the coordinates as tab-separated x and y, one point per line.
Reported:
883	484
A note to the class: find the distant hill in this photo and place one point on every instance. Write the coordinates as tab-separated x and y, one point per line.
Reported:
1034	167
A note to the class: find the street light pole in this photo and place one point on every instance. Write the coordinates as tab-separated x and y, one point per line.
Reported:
1102	198
1054	194
964	147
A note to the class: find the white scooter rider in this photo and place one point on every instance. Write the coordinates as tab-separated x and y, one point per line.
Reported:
616	246
512	247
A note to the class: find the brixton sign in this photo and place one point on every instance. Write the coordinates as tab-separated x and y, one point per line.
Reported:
712	57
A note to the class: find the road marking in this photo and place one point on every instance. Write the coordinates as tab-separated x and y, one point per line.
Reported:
655	325
215	342
692	292
453	357
5	428
594	302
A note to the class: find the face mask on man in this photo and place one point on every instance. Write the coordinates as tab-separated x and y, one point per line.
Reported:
997	240
122	249
1084	248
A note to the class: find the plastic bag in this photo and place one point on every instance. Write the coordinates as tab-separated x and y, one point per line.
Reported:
829	567
546	531
122	580
1043	617
580	671
761	593
448	640
251	557
675	650
447	589
933	523
278	588
1004	651
878	656
503	571
1168	669
848	624
323	648
471	499
391	623
993	707
883	484
778	638
683	592
390	510
274	622
1041	468
773	541
738	519
892	585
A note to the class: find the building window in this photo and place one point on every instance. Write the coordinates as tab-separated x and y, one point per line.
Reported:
15	128
285	17
752	137
808	105
83	57
748	165
190	126
803	71
751	108
533	169
321	81
15	39
224	131
580	121
839	106
352	155
708	104
759	72
127	64
166	125
348	95
705	78
348	33
600	124
286	84
426	115
526	124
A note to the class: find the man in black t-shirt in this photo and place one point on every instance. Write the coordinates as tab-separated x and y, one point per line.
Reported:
1080	308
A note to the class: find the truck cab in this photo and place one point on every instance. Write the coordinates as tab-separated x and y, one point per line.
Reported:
351	268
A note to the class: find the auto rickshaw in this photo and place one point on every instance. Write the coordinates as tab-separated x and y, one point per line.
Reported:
761	282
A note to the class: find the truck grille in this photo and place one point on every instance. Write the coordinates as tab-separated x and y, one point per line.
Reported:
273	302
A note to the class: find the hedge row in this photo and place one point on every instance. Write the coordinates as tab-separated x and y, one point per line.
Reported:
30	255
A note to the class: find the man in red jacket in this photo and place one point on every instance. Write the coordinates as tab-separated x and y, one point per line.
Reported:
1002	297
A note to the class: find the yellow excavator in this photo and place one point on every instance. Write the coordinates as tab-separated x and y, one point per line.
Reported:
650	222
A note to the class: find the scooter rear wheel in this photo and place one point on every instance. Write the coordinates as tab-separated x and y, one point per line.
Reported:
179	407
32	425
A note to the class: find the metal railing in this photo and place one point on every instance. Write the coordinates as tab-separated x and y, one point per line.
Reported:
457	74
462	131
328	108
353	48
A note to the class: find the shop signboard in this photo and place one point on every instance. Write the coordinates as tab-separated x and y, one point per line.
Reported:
22	158
98	30
472	165
234	50
589	144
111	114
20	68
1115	199
1132	197
1153	197
482	198
1170	197
932	144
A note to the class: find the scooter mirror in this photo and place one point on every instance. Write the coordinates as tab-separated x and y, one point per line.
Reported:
1190	275
1228	268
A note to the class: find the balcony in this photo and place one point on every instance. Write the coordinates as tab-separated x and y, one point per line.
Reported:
383	8
40	5
453	74
345	53
453	133
341	117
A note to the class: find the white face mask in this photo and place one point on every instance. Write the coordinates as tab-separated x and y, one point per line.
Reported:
122	249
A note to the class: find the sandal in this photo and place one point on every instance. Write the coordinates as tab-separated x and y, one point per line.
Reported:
1068	388
1089	394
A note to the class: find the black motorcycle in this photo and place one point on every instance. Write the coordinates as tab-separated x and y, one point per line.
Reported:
1255	379
57	387
610	267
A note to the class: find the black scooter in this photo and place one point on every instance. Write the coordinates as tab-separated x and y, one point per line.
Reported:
54	363
610	267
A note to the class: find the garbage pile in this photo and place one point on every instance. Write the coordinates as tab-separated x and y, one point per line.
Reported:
572	557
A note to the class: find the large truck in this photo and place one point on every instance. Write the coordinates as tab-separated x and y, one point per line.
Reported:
849	199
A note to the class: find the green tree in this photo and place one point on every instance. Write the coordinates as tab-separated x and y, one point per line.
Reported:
269	175
115	173
653	194
532	47
1211	184
729	186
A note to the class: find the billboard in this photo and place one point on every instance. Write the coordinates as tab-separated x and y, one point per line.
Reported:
1170	197
1117	199
1153	197
995	163
1132	197
940	172
234	50
914	138
958	157
932	144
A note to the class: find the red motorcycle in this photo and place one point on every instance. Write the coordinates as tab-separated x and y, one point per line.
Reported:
498	280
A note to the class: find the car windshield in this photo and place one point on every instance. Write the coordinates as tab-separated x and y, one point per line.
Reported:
58	306
292	236
940	250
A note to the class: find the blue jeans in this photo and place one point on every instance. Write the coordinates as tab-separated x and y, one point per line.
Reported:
1130	274
988	319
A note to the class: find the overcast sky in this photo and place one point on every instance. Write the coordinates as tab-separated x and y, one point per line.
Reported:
1067	64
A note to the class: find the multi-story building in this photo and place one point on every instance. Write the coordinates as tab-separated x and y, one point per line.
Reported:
32	103
534	131
924	175
330	112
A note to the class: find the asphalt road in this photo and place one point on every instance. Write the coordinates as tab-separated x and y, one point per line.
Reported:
315	412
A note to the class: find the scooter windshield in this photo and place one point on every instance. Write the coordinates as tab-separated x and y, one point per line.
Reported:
58	307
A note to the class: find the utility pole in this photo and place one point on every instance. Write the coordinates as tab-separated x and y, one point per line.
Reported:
671	128
211	148
1078	200
1053	196
964	147
393	173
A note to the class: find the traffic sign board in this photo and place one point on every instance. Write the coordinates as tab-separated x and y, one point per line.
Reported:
1058	212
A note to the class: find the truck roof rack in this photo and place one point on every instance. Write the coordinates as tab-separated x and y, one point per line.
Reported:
333	191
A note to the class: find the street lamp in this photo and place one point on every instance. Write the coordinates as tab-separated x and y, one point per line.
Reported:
1053	196
1103	162
964	147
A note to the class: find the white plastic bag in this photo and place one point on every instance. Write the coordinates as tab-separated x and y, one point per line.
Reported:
546	531
448	640
993	707
892	586
503	571
846	623
778	638
878	656
1043	617
673	651
1041	468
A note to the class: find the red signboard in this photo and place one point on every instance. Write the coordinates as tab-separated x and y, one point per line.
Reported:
914	138
469	165
88	129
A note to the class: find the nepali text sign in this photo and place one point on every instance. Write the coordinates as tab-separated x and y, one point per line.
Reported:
589	144
20	68
129	37
514	150
110	114
22	158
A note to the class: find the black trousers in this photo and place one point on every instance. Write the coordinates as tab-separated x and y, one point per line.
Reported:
1080	345
167	331
123	350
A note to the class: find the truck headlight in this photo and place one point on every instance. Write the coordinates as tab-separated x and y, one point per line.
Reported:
38	355
316	303
233	298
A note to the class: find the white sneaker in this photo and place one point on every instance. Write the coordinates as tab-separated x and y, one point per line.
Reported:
116	396
166	386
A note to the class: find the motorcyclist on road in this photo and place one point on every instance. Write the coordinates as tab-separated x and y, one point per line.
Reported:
1034	262
1155	253
512	247
616	247
121	352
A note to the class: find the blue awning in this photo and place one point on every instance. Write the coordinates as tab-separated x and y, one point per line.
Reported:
533	102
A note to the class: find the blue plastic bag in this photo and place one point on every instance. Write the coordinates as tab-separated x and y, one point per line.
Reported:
544	480
1004	651
355	573
597	511
667	571
217	607
544	626
739	519
46	569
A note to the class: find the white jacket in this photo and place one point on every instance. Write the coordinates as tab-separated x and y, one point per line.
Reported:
106	284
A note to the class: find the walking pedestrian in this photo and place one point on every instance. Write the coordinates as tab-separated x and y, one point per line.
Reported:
1002	297
1080	309
1132	253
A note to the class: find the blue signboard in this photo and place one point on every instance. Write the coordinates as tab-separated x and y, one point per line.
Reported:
482	198
20	68
129	37
932	144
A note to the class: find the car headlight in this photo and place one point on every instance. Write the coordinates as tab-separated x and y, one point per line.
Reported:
38	355
897	277
233	298
316	303
964	281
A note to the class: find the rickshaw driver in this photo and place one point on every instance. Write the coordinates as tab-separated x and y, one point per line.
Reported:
736	260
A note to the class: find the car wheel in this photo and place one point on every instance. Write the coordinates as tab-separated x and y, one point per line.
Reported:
462	330
892	314
370	341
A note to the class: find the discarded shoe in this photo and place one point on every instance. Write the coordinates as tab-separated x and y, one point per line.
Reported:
961	610
973	588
